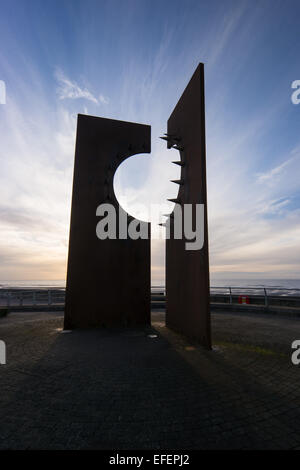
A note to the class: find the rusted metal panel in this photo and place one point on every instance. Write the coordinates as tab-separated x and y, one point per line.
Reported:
108	281
187	272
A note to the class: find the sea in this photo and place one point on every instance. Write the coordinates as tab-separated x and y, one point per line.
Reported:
273	286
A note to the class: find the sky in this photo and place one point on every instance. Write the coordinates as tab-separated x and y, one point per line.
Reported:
131	60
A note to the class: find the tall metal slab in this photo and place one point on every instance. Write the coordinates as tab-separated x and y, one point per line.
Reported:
108	280
187	271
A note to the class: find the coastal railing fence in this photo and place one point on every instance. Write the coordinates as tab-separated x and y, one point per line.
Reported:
246	292
31	297
265	296
221	294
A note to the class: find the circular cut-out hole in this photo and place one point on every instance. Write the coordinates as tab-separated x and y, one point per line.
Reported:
142	183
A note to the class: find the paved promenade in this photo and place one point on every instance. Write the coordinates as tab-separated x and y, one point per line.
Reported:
149	388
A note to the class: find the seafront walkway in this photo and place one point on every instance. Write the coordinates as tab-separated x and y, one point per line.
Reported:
149	388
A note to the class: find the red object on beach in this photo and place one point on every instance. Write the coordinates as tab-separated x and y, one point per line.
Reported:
244	299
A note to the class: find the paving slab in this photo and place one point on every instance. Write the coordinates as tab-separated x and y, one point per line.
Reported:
149	388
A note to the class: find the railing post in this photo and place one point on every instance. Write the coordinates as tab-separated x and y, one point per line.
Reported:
21	298
34	297
8	298
266	297
49	297
230	295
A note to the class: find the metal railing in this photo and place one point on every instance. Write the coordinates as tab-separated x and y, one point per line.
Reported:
30	297
257	292
41	297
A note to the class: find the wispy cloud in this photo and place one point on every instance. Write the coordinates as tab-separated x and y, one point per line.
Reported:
103	99
269	176
69	89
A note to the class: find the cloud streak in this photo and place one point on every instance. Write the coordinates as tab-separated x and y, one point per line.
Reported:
68	89
274	173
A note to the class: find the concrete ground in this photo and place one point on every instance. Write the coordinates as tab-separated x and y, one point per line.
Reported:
149	388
